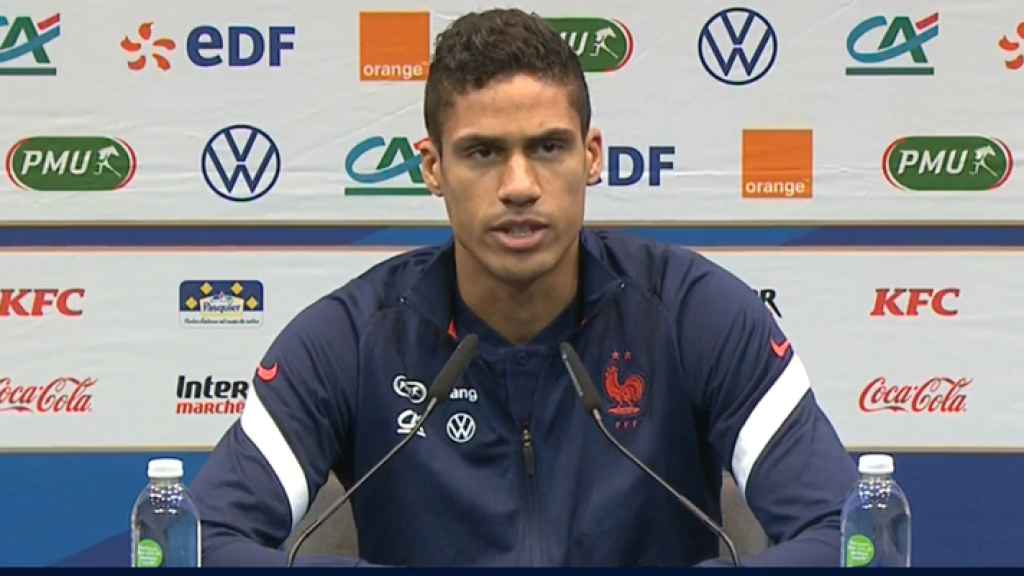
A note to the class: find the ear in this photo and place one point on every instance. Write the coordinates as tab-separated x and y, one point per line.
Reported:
430	158
594	155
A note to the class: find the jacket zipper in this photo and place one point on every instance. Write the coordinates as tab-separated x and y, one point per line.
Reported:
529	460
530	466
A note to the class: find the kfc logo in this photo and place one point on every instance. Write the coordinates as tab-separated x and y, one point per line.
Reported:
63	395
41	301
909	301
939	394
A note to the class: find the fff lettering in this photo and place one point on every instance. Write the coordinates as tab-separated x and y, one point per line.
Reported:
908	301
246	45
28	302
658	158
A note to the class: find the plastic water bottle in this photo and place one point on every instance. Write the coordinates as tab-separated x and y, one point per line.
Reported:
876	518
165	524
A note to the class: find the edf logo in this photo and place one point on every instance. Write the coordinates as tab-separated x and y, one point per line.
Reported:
658	158
246	45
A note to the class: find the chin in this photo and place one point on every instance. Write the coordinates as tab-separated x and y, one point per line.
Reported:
525	271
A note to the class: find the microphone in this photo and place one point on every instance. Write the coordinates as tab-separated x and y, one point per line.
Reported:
586	390
440	388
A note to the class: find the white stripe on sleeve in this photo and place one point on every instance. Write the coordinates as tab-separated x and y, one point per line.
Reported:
264	433
766	418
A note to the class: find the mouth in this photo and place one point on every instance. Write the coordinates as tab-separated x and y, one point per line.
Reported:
520	235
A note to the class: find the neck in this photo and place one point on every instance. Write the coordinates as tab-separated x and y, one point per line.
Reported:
518	312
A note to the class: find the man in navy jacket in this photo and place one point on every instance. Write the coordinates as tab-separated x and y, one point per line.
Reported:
694	374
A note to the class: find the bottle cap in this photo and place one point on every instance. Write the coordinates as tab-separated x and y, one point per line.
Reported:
166	468
875	464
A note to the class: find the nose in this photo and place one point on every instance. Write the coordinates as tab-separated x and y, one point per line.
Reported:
519	186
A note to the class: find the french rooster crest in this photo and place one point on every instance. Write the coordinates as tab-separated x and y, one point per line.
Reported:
626	395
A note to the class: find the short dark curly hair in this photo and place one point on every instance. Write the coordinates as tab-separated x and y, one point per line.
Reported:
480	47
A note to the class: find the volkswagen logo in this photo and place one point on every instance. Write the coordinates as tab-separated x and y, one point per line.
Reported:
737	36
461	427
241	163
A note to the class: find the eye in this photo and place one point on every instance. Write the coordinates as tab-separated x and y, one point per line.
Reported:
551	147
480	153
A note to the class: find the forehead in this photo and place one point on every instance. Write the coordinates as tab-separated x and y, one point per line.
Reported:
513	107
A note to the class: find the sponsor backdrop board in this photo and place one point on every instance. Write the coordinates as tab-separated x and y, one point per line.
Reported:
911	351
765	123
267	111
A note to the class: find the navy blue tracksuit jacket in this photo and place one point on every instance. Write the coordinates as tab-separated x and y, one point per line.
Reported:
695	377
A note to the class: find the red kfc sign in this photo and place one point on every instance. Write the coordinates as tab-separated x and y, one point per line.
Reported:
910	301
41	301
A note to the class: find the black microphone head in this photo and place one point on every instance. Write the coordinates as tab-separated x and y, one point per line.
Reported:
581	381
464	353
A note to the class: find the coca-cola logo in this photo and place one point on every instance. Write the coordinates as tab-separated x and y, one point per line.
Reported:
939	394
64	395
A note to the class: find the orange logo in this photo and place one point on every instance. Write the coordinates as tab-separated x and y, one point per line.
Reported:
778	164
394	46
133	49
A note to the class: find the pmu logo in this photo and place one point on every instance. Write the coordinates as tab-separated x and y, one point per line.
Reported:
71	163
946	163
26	39
241	153
626	165
737	35
909	301
602	44
913	36
38	302
374	162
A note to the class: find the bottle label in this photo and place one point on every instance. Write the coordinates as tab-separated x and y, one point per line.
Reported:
860	551
148	554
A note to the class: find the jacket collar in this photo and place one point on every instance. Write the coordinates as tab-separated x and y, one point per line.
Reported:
432	293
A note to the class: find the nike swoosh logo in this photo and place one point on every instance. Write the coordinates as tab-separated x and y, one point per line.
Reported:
779	349
267	374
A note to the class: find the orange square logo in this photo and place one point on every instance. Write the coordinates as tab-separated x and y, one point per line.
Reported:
778	164
394	46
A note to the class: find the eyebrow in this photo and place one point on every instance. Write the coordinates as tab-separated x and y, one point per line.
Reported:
471	139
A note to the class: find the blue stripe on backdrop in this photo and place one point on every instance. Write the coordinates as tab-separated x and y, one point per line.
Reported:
759	236
73	509
58	505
